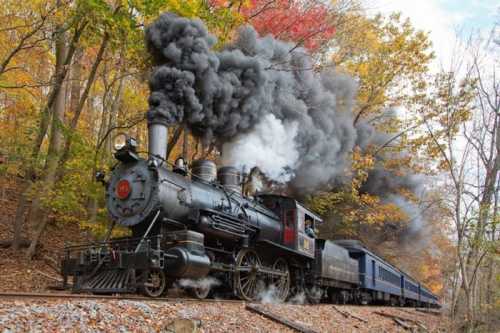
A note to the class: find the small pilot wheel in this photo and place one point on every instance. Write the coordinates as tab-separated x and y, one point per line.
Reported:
281	282
246	277
200	292
155	283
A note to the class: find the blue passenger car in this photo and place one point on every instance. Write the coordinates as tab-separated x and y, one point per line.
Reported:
428	298
411	290
382	282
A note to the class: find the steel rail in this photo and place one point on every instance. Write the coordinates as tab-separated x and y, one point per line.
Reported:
27	295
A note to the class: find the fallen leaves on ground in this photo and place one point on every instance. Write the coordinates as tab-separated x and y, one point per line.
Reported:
135	316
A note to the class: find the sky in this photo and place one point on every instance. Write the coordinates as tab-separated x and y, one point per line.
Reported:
443	19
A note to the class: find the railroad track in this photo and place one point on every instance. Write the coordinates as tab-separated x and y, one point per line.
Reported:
249	307
22	295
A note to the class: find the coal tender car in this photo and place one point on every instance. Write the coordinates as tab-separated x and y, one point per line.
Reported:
198	227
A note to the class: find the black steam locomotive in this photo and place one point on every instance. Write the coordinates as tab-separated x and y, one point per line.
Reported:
199	227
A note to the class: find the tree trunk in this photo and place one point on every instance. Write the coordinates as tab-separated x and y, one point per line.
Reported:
42	131
19	218
38	218
455	290
76	81
81	104
110	123
115	106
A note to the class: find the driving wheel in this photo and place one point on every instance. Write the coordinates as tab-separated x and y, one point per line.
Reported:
246	277
282	281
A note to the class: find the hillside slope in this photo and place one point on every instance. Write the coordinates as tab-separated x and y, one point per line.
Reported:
18	273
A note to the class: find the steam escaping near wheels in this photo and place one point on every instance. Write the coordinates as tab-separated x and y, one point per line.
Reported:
199	288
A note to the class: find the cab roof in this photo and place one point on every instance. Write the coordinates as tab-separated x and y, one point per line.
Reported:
295	203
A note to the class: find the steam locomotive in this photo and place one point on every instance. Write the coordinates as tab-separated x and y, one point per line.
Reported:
200	227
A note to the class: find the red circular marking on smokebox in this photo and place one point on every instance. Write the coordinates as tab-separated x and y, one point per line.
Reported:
123	189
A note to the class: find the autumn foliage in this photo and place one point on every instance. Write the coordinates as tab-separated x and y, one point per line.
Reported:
307	23
77	70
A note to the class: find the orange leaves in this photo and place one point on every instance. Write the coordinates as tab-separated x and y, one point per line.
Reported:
431	273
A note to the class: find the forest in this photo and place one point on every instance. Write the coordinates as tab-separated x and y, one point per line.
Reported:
419	181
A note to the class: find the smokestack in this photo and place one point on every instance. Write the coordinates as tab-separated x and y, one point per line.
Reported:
158	138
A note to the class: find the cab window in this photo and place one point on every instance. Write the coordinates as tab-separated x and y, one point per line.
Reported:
290	218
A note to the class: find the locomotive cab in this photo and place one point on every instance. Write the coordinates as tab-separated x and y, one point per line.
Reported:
294	217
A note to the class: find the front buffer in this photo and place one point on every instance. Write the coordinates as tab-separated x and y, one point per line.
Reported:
130	265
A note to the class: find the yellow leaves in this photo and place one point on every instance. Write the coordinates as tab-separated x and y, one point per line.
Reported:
361	164
444	106
220	19
101	229
185	8
355	209
323	202
387	55
377	212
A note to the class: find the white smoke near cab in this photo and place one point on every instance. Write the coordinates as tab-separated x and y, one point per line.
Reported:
270	146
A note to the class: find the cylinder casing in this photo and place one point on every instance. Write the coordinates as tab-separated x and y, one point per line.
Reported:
182	263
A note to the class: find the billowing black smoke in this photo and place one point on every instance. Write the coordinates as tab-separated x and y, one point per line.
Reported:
258	98
262	103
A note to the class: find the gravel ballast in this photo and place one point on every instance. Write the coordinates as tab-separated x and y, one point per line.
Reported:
58	315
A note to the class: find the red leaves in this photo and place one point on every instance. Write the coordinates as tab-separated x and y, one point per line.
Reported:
307	23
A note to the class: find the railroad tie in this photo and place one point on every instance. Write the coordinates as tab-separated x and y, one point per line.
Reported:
279	319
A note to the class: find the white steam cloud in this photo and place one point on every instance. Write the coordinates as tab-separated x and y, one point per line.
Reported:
270	146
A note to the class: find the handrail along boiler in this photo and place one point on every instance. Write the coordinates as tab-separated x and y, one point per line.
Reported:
200	227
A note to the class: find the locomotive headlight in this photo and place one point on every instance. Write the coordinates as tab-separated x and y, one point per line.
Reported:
125	148
120	141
